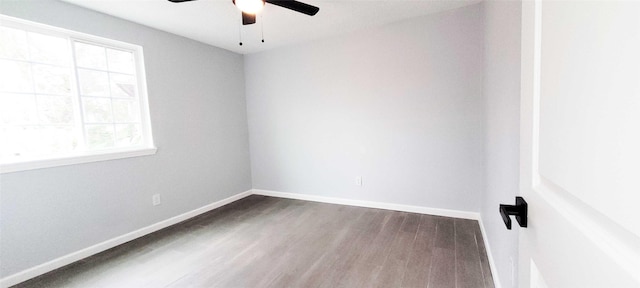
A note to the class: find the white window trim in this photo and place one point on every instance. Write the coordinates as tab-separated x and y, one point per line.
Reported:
147	148
75	159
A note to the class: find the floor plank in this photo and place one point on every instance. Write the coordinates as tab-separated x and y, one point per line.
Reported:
263	241
468	265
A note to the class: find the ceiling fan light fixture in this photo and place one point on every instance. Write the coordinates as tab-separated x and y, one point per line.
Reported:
249	6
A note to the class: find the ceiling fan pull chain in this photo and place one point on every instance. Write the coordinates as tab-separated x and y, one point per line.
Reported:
262	26
240	32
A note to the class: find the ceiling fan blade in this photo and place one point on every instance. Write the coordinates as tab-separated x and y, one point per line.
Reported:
296	6
248	19
178	1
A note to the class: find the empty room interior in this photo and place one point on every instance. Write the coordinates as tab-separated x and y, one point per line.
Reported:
277	143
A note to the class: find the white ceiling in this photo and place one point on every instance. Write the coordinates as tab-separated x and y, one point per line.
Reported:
218	22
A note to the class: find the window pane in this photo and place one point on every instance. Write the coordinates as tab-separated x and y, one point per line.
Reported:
128	135
13	43
93	83
90	56
120	61
48	49
55	109
52	79
20	141
122	85
17	109
15	76
125	111
58	139
97	110
6	143
99	136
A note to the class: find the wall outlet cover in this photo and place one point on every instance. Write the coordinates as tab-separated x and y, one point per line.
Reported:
155	199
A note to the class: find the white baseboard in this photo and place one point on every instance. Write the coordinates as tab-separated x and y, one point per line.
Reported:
86	252
492	263
371	204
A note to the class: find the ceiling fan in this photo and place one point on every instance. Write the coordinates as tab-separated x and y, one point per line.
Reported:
250	8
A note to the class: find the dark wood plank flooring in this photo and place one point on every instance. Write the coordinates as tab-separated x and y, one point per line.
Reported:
270	242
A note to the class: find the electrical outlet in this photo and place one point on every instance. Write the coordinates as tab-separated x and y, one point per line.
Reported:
359	180
155	199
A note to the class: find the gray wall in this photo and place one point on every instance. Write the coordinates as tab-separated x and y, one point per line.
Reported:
400	105
501	90
198	114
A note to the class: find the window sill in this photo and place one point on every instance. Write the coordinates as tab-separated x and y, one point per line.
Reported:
76	159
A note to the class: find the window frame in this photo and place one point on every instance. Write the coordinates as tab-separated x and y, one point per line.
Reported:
147	146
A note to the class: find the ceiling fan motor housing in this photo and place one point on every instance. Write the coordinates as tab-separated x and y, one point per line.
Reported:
249	6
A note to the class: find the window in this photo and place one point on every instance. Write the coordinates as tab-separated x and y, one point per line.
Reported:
67	97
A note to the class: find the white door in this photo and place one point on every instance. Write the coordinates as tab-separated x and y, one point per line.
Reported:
580	144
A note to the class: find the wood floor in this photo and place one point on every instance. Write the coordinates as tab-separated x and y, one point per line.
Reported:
270	242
